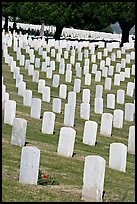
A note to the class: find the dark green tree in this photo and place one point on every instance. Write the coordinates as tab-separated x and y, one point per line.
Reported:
80	15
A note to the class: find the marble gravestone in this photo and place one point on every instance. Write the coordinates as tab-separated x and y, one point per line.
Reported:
66	142
29	165
93	178
19	127
90	133
118	156
48	122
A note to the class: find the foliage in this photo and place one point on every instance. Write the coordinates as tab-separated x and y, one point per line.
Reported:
45	179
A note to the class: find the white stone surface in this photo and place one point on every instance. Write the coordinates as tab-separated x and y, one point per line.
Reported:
90	133
108	82
19	127
118	156
106	124
130	89
29	165
86	96
88	79
99	91
10	111
93	178
66	142
46	94
110	70
30	70
21	88
118	118
129	111
120	96
41	85
117	79
98	105
77	85
56	105
127	72
131	140
27	98
48	122
35	108
5	97
55	82
94	68
85	111
35	77
98	76
63	91
19	78
68	77
49	73
111	101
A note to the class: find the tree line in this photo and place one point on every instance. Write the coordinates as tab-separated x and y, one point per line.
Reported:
93	16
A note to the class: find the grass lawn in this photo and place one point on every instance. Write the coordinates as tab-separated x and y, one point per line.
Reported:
118	186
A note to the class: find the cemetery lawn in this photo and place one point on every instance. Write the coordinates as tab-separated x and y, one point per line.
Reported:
68	172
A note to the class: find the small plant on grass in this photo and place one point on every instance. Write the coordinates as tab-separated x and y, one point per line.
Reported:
46	179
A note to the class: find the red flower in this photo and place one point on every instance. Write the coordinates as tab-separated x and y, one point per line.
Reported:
46	176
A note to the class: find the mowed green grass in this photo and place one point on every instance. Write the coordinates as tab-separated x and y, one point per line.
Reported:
118	186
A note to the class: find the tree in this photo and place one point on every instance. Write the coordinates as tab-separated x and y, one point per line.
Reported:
9	9
124	13
80	15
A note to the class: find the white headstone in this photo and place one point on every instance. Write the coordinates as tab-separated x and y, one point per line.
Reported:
10	111
110	70
55	82
41	85
122	76
77	85
111	101
118	156
27	98
68	77
93	178
106	124
35	77
48	122
98	76
35	108
94	68
129	111
46	94
127	73
66	141
88	79
30	69
56	106
21	88
108	82
130	89
117	79
19	132
120	96
131	140
5	97
29	165
99	91
63	91
98	105
90	133
85	111
118	118
37	62
86	96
